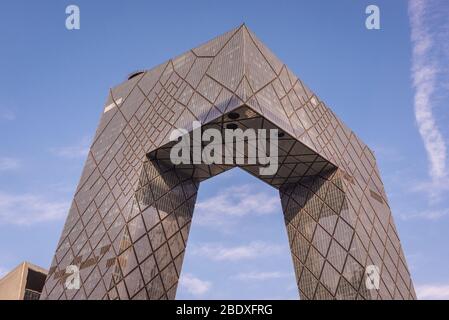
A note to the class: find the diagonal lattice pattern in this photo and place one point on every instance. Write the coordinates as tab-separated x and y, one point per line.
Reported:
128	225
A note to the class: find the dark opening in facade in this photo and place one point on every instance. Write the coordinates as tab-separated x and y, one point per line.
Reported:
135	74
233	116
231	126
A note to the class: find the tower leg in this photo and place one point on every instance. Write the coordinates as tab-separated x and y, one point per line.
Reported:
320	238
154	241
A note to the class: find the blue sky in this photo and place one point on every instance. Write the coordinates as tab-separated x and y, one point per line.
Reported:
390	86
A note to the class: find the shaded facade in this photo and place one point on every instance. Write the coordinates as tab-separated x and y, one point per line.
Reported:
129	222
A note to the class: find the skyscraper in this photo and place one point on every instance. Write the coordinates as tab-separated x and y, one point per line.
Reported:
129	222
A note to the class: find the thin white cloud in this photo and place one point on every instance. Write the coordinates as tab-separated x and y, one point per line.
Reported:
194	285
432	215
427	67
3	272
29	209
261	276
76	151
7	115
387	153
253	250
433	292
233	203
8	164
434	188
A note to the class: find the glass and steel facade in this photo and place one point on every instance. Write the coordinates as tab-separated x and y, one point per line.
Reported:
129	222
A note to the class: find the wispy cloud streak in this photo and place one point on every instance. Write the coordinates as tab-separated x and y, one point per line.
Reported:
234	203
253	250
429	50
9	164
29	209
75	151
194	285
430	215
433	292
262	276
